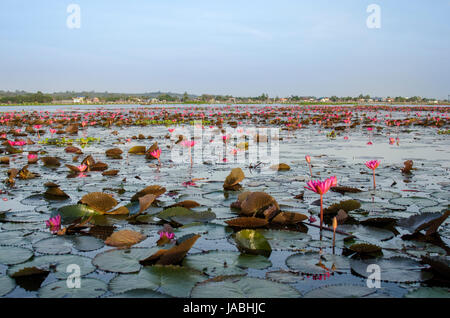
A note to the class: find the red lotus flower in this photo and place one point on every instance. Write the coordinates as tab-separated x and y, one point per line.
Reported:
54	223
372	164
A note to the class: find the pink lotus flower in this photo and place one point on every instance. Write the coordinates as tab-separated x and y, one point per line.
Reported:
189	183
373	164
321	187
171	130
169	235
52	131
188	143
156	154
54	223
37	127
308	160
82	167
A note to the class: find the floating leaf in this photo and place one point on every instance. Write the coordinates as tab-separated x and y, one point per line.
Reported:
90	288
243	287
280	167
429	292
172	256
122	260
185	216
394	269
342	291
289	218
48	262
10	255
236	175
247	222
7	285
53	245
419	201
137	150
99	201
172	280
424	221
257	201
125	238
153	189
218	263
145	202
252	242
285	277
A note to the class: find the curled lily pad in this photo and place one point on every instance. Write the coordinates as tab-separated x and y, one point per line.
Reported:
394	269
236	175
99	201
243	287
153	189
137	150
218	263
172	280
425	221
257	201
12	255
247	222
287	218
70	213
122	260
124	238
89	288
252	242
7	285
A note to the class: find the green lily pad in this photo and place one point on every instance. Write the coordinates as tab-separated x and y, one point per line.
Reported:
22	237
7	285
89	288
368	234
86	243
25	217
70	213
209	231
185	216
285	240
285	277
141	293
57	262
419	201
172	280
429	292
394	269
243	287
313	263
53	245
341	291
12	255
123	260
219	263
252	242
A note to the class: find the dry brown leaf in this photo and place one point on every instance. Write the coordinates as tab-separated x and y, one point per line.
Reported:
247	222
153	189
125	238
99	201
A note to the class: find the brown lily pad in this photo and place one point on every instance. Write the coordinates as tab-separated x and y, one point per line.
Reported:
288	218
153	189
125	238
247	222
99	201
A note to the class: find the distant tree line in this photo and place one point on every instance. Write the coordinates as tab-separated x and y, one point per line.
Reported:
38	97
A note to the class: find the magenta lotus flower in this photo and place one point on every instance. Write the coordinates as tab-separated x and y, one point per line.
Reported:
169	235
373	164
189	183
188	143
52	131
321	187
82	167
54	223
37	126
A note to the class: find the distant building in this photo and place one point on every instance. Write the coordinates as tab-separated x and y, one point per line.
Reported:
78	99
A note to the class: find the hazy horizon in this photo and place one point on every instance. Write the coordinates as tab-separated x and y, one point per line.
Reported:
282	48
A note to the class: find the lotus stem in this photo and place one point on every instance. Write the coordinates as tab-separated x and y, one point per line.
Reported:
310	170
321	212
374	185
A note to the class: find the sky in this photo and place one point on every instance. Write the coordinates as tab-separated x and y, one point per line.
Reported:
241	48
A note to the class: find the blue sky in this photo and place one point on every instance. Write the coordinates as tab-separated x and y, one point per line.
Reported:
243	48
